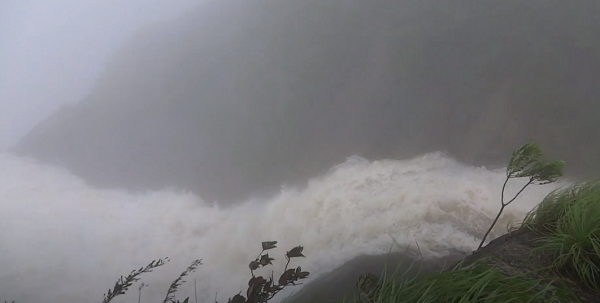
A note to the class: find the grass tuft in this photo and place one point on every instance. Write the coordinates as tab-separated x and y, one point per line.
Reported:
123	284
568	221
474	283
170	298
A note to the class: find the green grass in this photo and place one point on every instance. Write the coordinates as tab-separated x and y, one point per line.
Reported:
568	221
474	283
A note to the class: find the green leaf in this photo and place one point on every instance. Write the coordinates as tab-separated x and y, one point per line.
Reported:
527	161
547	171
522	160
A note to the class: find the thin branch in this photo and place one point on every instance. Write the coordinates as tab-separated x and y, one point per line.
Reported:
502	208
258	257
286	264
522	189
491	226
140	292
503	188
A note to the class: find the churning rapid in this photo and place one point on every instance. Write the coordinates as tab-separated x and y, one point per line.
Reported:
64	241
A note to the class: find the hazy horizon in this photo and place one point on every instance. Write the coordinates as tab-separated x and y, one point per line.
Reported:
52	52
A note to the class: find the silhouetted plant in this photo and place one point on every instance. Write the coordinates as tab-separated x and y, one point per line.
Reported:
527	162
173	288
259	289
123	284
140	291
263	290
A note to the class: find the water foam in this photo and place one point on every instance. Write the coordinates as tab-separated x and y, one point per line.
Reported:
64	241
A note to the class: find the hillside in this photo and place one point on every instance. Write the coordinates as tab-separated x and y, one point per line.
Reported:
237	98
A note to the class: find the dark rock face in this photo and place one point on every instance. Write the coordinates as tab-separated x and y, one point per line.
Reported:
237	98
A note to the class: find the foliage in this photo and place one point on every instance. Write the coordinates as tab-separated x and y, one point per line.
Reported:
123	284
173	288
474	283
568	221
259	288
263	290
527	162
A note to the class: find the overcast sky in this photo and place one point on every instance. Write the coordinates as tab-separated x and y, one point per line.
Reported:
51	51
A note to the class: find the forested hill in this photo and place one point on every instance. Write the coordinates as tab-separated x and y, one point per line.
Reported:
238	97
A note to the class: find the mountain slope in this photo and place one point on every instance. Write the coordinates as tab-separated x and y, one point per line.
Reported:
237	98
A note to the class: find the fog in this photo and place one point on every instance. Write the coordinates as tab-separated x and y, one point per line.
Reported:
236	99
52	52
142	129
64	241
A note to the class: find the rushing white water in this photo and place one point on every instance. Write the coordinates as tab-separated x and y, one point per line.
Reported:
64	241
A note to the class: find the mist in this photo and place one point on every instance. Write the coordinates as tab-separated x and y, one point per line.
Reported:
197	129
52	52
233	100
65	241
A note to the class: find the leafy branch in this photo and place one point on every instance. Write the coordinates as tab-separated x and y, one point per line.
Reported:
123	284
527	162
263	290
